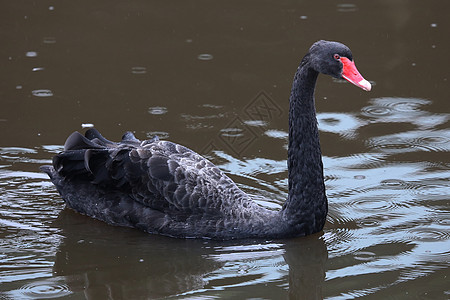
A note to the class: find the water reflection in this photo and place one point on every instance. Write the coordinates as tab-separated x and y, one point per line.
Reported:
101	261
385	216
344	124
386	164
108	262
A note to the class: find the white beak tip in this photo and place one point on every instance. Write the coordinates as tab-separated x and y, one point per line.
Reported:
365	85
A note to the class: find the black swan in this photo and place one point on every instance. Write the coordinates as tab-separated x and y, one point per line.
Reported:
165	188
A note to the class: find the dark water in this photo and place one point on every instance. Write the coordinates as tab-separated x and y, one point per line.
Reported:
216	76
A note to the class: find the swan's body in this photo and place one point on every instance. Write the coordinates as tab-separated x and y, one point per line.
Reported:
164	188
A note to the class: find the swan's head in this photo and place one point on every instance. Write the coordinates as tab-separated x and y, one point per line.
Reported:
335	59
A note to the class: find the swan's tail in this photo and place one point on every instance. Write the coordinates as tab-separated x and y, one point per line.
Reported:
93	158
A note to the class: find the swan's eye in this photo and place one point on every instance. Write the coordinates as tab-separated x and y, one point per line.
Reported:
337	57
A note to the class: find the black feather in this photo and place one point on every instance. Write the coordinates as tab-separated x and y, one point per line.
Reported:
165	188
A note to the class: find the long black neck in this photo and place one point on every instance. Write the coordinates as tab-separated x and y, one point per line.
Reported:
306	207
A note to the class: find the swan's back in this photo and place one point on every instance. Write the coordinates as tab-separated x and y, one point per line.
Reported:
157	186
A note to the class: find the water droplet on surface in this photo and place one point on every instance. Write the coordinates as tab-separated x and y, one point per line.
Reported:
303	17
31	54
369	222
434	25
393	183
18	87
42	93
138	70
38	69
157	110
51	8
49	40
205	56
87	125
347	7
232	132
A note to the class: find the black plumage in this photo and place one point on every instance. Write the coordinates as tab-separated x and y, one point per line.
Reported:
165	188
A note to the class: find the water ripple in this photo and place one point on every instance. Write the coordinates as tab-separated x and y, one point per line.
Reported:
157	110
44	290
429	186
188	117
434	142
347	7
205	56
49	40
402	104
255	123
376	111
232	132
364	255
413	141
427	234
138	70
276	134
403	110
375	205
394	183
369	222
42	93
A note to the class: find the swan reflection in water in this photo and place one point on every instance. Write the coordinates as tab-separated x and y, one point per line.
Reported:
106	262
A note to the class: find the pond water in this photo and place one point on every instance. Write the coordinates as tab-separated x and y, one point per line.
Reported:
216	77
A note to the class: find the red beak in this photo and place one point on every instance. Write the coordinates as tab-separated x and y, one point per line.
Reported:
351	74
